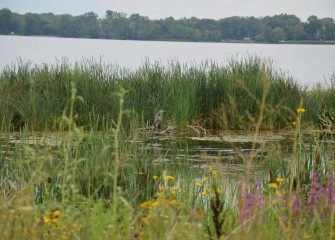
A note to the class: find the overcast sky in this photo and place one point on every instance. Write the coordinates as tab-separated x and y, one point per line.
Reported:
158	9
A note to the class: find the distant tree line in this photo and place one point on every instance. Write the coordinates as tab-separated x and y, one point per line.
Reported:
116	25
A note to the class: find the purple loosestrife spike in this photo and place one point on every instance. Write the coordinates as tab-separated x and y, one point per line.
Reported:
251	202
296	205
312	198
331	192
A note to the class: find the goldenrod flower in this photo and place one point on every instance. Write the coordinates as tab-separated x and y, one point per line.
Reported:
155	178
273	185
169	178
301	110
197	184
280	180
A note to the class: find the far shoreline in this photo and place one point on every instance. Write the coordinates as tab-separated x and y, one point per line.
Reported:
302	42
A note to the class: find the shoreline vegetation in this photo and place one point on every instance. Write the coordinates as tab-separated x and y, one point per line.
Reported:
282	28
316	42
102	178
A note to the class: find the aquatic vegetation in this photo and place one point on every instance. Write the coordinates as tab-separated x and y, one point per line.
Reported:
210	95
104	183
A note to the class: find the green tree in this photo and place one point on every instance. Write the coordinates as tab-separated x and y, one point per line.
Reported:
90	25
313	27
5	18
65	25
297	31
328	29
34	24
278	34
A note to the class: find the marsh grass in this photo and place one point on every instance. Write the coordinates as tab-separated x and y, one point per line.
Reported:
99	181
35	95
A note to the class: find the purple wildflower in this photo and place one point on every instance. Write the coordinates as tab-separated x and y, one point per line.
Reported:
296	208
296	204
331	192
250	202
315	189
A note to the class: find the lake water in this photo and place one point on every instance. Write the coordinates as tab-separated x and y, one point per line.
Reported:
225	152
308	64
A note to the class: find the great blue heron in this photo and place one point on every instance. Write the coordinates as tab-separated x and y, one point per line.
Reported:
158	119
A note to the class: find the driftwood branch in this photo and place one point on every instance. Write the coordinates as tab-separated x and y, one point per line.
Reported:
198	129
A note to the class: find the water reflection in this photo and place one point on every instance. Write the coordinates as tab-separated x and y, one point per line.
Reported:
227	154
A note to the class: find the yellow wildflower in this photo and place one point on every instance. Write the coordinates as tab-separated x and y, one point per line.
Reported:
278	193
145	204
208	187
210	169
155	178
176	203
155	204
55	214
197	184
204	179
280	180
169	178
46	220
204	193
218	190
301	110
215	174
273	185
173	192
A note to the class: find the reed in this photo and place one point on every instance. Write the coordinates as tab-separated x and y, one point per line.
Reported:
35	96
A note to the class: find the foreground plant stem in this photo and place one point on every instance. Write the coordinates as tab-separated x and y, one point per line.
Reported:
116	132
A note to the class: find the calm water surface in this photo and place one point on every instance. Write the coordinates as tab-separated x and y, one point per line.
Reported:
308	64
225	152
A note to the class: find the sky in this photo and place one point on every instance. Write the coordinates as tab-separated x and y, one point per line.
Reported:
161	9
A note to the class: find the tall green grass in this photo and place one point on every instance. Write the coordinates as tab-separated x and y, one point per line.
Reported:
214	96
89	184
